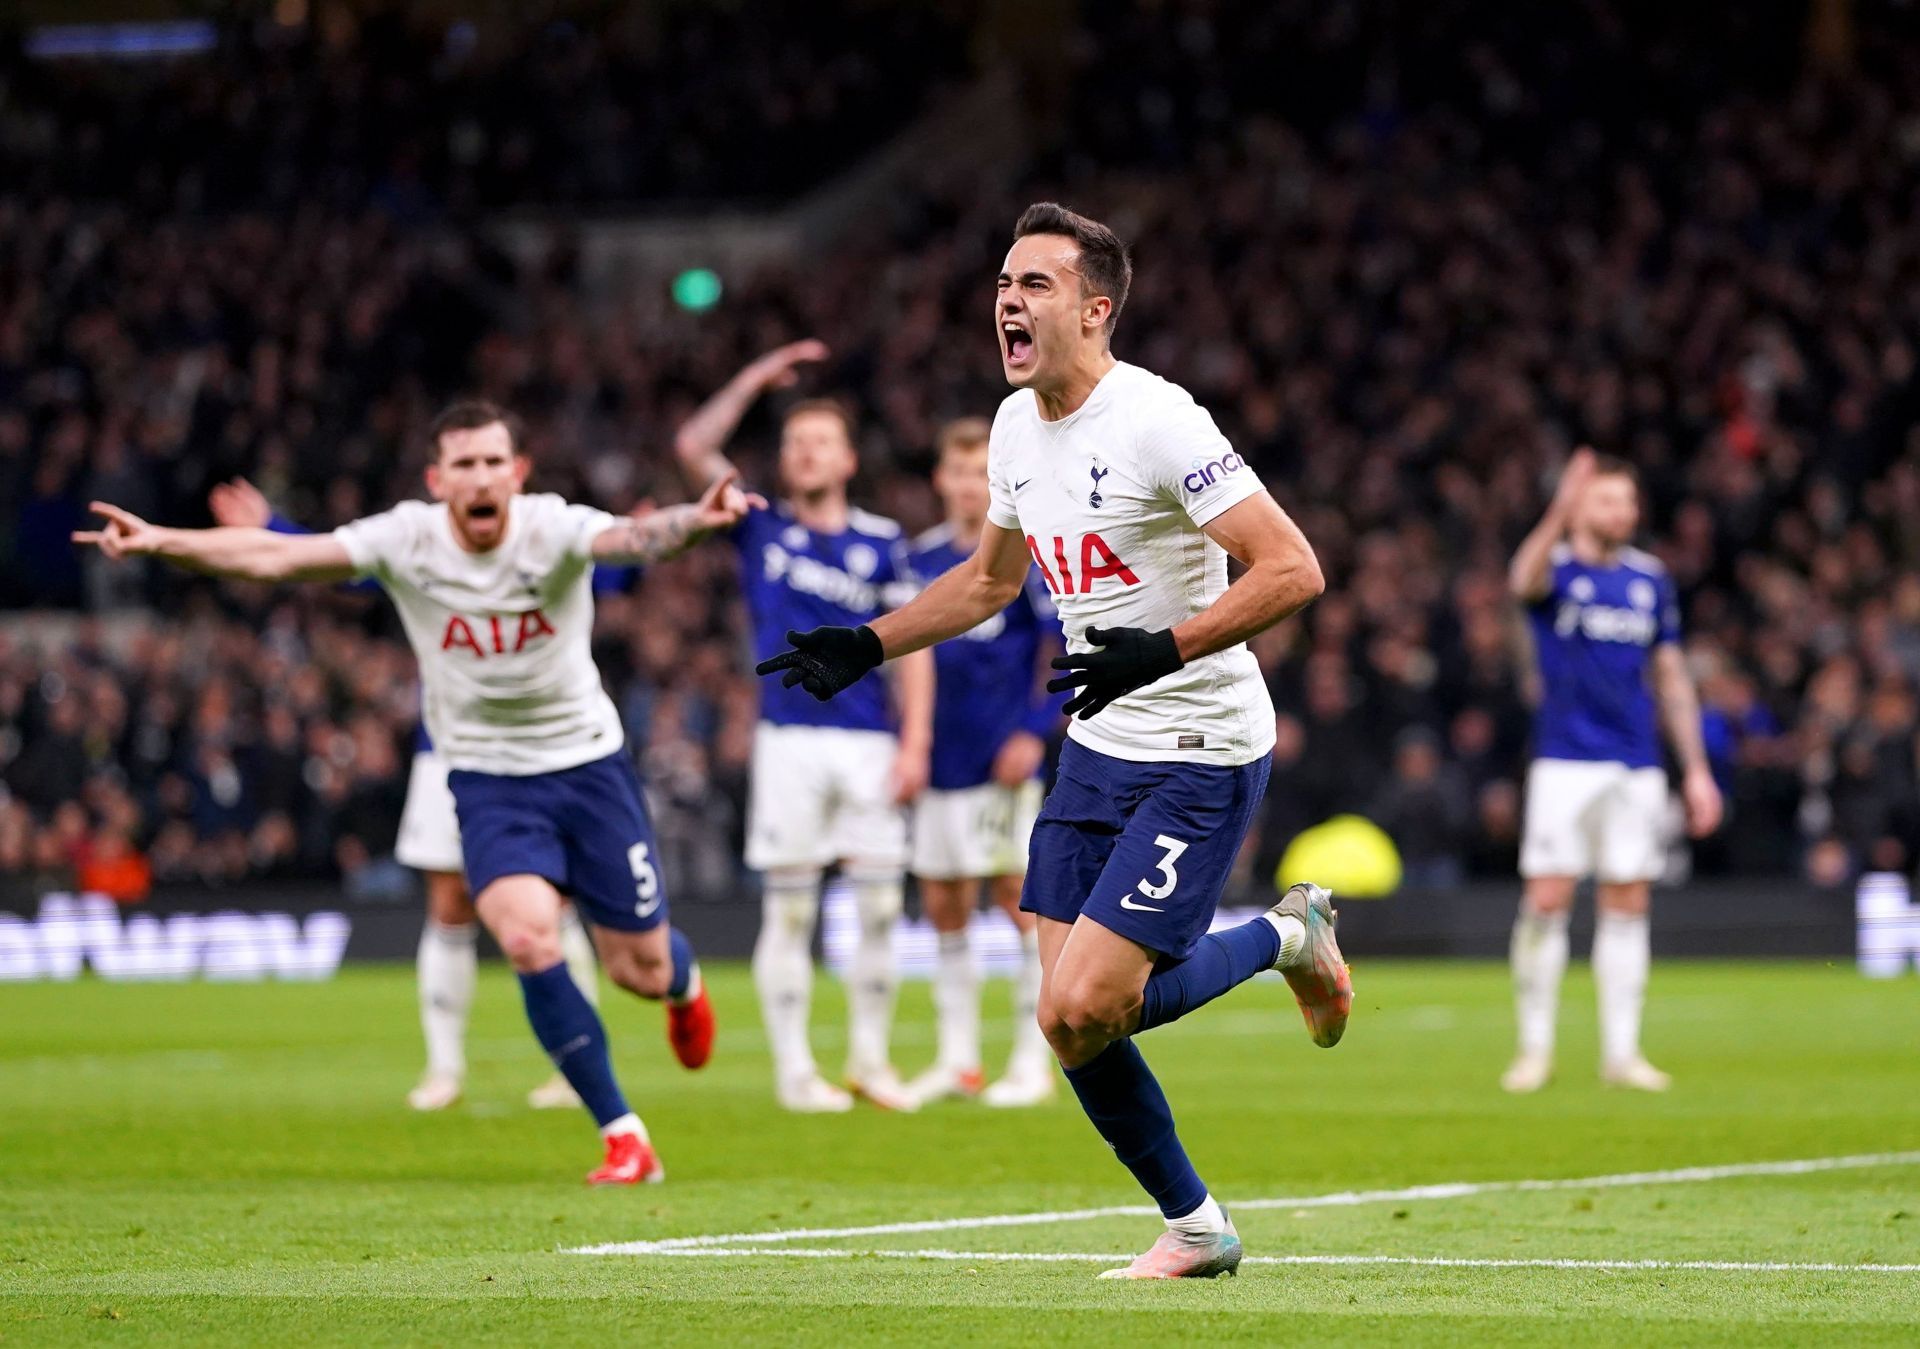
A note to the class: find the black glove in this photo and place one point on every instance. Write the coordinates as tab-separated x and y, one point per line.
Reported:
826	660
1129	658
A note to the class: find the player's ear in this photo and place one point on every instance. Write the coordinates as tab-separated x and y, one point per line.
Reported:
1093	314
521	467
434	487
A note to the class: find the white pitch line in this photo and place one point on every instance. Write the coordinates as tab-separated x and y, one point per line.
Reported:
1424	1261
1338	1199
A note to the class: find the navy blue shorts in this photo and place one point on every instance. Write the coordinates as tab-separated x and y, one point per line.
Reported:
1143	849
585	829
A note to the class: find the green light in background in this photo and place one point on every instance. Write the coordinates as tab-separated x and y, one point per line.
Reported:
697	289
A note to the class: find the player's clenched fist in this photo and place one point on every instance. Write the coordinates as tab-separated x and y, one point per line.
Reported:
826	660
1128	659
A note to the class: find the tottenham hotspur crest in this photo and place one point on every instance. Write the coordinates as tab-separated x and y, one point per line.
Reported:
1094	498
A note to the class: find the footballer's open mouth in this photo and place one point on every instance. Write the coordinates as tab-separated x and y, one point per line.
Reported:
1016	342
483	510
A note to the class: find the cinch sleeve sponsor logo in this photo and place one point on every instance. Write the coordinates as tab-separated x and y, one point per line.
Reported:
1207	472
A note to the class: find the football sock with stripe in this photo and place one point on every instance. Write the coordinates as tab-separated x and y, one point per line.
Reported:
1122	1098
1223	960
1622	950
783	968
446	966
569	1029
956	999
1539	957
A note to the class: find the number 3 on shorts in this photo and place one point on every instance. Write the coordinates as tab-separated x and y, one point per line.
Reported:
1174	847
646	880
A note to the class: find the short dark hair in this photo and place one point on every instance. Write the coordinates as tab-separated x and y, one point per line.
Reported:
831	407
1613	466
470	414
1106	266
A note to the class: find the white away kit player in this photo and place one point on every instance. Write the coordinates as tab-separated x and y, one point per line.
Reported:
447	961
493	587
1606	633
829	781
1123	492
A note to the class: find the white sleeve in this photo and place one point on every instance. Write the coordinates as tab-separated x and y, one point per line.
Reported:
999	491
373	541
1183	455
577	526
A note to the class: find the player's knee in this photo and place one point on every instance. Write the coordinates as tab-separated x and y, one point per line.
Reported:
1549	894
529	948
1087	1013
448	903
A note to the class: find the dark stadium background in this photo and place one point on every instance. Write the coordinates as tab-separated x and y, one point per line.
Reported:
1405	287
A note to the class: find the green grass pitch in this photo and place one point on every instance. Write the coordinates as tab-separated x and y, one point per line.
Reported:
235	1163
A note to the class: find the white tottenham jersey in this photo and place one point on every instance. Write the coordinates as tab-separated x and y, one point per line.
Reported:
508	684
1111	500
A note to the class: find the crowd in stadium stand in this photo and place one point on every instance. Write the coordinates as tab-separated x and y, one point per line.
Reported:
1404	304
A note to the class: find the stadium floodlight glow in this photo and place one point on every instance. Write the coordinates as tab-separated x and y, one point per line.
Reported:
697	289
120	41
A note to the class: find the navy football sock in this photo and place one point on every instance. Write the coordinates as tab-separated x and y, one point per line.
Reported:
570	1031
682	963
1222	960
1125	1103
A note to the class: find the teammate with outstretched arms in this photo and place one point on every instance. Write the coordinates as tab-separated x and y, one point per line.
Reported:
829	784
493	588
1120	488
447	961
991	720
1606	632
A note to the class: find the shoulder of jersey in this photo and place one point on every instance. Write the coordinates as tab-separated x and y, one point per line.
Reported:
940	536
878	526
415	512
1641	560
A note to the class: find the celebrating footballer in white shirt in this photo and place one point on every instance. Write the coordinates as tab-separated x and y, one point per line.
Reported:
494	590
1124	493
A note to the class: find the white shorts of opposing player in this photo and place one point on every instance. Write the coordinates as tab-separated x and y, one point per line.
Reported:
447	962
1607	821
822	795
974	834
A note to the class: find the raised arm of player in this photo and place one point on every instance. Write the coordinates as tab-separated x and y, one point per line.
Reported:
245	553
700	445
1679	707
1531	570
827	660
662	534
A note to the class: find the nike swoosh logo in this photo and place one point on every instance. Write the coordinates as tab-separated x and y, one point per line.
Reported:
1017	486
1126	902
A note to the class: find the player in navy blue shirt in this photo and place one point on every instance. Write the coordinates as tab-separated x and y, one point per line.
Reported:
447	961
1605	623
991	719
829	781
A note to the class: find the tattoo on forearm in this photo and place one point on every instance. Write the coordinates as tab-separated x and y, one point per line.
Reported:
654	537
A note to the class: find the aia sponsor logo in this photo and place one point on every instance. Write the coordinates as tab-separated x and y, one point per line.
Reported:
1206	473
1097	561
490	636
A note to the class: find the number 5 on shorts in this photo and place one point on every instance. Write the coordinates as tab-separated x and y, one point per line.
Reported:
1174	847
646	880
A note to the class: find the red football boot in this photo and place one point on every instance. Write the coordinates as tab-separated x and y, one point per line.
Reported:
690	1030
631	1160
